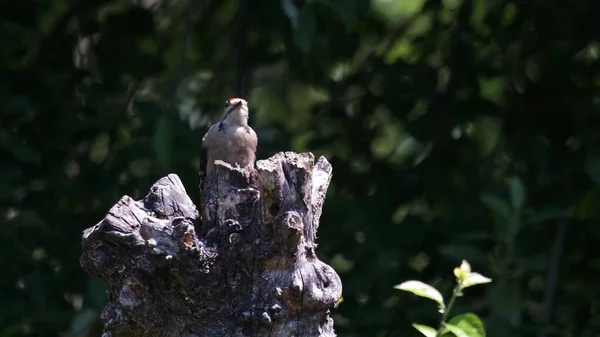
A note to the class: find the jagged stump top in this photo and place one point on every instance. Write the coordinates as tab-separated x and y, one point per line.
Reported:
247	268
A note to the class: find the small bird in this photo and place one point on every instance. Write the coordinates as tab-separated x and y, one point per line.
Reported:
231	140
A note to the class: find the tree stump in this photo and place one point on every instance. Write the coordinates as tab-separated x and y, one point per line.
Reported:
248	268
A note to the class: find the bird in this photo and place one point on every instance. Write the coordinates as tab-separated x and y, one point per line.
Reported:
231	140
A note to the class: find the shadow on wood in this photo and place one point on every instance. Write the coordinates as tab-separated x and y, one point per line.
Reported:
248	268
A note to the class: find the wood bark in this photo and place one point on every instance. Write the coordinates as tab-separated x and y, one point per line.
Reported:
247	267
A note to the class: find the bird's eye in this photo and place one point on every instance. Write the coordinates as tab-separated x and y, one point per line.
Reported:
227	104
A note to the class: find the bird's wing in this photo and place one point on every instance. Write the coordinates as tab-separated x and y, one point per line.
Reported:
251	139
208	141
211	135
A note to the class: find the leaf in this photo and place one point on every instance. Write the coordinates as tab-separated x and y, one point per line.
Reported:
462	272
487	131
465	267
99	148
517	193
424	290
340	301
498	206
468	323
458	332
425	330
475	279
307	29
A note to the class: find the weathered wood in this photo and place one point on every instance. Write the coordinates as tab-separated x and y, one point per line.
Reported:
248	269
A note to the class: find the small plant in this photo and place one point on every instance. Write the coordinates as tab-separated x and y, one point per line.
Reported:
464	325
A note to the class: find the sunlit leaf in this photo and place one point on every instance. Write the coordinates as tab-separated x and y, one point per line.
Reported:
397	12
427	331
468	323
465	267
475	279
340	301
458	332
424	290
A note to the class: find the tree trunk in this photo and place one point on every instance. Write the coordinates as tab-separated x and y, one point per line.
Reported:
248	268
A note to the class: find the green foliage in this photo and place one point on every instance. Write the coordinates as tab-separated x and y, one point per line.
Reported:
424	290
463	325
457	129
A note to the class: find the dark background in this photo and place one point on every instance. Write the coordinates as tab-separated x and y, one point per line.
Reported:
456	129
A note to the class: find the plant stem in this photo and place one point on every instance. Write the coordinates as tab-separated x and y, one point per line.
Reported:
457	290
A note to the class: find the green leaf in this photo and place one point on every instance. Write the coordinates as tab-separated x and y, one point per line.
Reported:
456	331
99	148
452	4
468	323
475	279
307	29
498	206
517	193
340	301
424	290
425	330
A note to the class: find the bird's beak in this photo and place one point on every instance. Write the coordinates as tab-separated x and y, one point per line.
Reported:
231	108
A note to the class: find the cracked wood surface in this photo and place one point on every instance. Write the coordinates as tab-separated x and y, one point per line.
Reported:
245	266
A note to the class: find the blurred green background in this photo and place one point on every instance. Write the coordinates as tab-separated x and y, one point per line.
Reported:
457	129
